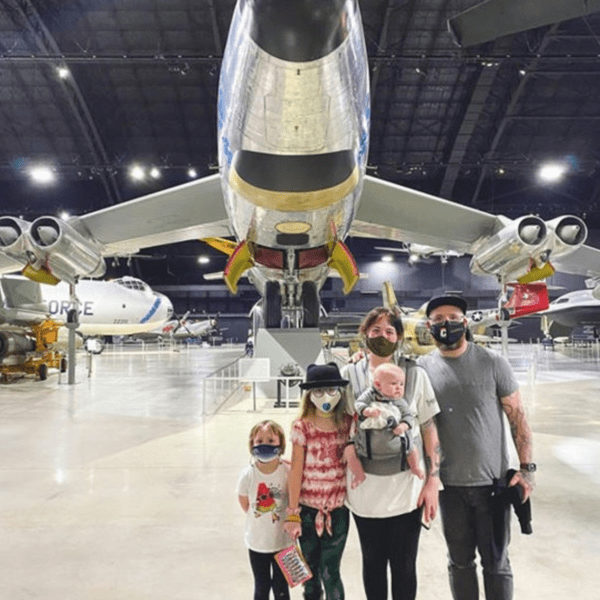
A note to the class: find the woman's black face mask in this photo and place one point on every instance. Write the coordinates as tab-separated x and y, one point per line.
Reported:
448	332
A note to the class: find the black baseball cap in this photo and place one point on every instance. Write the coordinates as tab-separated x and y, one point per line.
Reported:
446	301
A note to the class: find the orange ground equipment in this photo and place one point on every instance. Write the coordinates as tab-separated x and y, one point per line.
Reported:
30	351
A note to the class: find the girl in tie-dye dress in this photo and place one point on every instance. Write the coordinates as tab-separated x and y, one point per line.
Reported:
317	480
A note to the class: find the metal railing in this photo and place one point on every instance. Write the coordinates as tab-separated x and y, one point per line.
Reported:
221	384
164	344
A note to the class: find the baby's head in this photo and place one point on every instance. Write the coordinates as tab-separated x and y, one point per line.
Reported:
389	380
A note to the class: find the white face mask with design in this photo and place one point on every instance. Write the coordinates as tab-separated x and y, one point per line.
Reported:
326	400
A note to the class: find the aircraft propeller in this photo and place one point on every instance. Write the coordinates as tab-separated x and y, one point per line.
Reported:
181	322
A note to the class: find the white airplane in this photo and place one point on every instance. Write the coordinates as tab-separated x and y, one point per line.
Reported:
183	328
575	309
293	140
118	307
421	252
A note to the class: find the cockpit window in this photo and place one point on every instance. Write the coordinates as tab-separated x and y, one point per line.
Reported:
131	283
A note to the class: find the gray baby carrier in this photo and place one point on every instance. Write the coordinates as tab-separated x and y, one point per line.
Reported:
380	451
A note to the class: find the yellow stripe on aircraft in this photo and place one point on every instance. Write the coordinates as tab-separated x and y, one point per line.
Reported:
222	245
293	201
389	296
537	273
239	262
40	275
343	262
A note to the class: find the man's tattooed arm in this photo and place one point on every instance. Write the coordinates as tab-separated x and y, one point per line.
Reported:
433	450
521	434
519	427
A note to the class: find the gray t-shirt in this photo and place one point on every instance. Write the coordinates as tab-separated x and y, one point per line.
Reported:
471	424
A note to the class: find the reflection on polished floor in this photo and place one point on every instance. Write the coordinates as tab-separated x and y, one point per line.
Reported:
118	488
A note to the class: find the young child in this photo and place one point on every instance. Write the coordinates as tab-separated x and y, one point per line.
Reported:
317	481
386	416
262	492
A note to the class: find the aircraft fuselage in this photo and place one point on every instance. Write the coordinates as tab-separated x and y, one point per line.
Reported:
575	309
109	308
119	307
293	128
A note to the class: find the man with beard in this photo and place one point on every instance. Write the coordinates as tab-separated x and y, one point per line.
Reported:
473	387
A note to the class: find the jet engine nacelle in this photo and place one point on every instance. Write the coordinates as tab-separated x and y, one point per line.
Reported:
14	344
510	250
13	238
63	251
567	234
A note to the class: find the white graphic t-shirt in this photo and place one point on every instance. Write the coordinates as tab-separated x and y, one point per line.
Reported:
268	498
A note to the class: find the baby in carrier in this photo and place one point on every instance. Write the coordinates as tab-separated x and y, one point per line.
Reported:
385	437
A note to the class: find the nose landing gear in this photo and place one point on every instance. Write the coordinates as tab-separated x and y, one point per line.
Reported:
273	305
292	310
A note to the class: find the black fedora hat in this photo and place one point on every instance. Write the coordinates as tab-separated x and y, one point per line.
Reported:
323	376
446	301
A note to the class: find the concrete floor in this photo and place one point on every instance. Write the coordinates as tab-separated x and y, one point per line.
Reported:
117	488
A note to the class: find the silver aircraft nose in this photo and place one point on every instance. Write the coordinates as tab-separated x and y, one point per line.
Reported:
299	31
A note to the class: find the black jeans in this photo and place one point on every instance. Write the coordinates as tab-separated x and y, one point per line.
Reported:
393	541
262	563
471	519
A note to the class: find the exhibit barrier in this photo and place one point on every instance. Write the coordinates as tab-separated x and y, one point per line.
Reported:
123	344
221	385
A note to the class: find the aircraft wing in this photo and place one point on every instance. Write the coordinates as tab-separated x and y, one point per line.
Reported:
583	261
23	302
388	210
189	211
7	265
394	212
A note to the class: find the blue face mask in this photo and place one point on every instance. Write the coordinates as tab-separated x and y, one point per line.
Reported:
265	452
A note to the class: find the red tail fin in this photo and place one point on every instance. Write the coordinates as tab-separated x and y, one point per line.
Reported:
527	298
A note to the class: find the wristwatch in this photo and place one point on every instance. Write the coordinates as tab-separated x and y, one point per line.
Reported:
529	467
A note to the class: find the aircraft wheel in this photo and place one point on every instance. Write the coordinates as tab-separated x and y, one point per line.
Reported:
273	302
310	304
43	372
63	365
